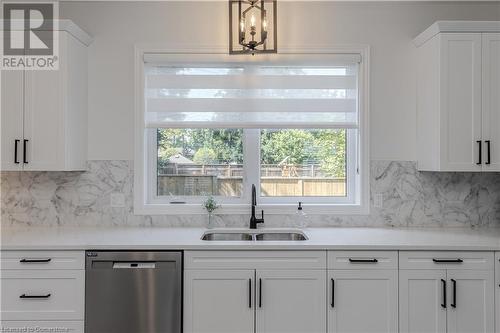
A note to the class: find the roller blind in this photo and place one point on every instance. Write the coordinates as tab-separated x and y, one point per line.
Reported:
252	95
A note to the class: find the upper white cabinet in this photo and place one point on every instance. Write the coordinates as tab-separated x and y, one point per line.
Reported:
458	108
44	112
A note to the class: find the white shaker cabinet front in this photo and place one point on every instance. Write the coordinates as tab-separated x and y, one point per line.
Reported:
422	301
290	301
12	120
219	301
491	100
497	293
44	112
458	108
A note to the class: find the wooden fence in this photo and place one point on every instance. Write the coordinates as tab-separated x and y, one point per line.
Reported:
233	186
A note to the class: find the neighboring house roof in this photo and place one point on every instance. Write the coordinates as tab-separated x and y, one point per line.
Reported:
179	159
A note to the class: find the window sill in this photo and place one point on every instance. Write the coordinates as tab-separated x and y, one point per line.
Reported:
274	209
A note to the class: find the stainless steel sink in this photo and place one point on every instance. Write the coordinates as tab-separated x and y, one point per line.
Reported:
227	236
254	235
281	236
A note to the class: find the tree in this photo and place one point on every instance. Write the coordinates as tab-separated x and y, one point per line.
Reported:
205	155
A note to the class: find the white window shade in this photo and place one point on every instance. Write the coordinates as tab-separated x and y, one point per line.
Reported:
252	95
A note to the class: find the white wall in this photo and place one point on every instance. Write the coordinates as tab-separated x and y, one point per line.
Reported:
388	27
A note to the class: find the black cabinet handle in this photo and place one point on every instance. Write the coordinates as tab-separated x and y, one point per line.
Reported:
16	142
444	261
260	293
25	159
250	293
488	152
443	305
332	304
371	261
480	153
34	260
454	303
24	296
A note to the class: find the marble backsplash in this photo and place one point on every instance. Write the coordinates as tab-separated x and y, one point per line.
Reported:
410	199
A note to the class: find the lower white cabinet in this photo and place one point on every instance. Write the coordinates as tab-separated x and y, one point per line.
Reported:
422	304
265	292
219	301
363	301
452	297
291	301
497	287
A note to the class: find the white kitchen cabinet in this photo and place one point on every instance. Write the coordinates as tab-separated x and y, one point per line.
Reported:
422	304
362	291
363	301
291	301
12	120
456	75
497	293
472	301
491	99
46	110
219	301
277	291
446	292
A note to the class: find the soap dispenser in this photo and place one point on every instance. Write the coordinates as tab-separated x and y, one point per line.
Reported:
301	220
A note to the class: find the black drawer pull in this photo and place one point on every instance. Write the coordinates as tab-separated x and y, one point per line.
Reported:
24	296
16	161
443	305
260	293
445	261
333	294
25	158
35	260
250	293
488	152
454	303
480	150
371	261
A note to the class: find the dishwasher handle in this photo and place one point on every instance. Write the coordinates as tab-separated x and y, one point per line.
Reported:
134	265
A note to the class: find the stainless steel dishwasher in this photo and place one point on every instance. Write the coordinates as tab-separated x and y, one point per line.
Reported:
133	292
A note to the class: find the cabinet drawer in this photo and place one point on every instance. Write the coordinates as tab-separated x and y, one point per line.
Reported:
362	260
42	295
42	326
446	260
255	259
42	260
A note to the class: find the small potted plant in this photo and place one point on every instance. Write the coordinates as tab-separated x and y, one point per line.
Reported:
210	205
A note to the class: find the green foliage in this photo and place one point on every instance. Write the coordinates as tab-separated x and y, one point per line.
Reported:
210	204
205	155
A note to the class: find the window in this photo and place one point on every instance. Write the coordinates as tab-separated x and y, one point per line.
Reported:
290	125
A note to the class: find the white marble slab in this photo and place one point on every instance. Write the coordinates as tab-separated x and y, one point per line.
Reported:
411	199
92	238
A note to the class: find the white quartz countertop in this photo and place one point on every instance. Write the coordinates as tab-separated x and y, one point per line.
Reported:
157	238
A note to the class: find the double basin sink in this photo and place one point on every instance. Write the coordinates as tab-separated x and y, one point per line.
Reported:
254	235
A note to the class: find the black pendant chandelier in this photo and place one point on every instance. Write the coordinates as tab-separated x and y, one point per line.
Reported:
252	26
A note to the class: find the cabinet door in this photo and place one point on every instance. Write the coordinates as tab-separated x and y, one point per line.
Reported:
422	301
291	301
219	301
12	119
471	301
497	287
363	301
460	101
44	120
491	101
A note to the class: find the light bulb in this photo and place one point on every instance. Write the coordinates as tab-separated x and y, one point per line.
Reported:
242	25
252	21
264	25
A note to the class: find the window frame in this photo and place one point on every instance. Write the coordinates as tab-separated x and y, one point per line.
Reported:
357	202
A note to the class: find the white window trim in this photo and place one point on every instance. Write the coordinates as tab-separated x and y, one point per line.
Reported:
143	205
